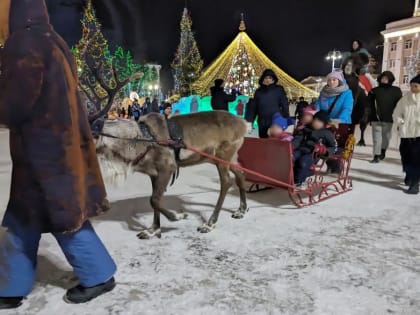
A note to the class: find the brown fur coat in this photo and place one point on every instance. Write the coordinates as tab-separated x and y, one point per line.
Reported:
56	180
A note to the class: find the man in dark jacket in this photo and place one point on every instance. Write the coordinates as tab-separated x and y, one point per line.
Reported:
219	98
269	99
147	107
155	105
56	181
383	100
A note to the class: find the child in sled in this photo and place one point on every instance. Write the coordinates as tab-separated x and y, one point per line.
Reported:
306	119
279	126
311	143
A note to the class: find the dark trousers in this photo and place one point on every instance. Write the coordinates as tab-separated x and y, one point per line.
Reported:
410	158
303	166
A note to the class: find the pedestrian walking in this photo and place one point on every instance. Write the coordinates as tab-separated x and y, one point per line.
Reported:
56	181
407	119
383	100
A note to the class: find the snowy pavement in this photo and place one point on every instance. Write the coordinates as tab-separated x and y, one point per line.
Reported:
358	253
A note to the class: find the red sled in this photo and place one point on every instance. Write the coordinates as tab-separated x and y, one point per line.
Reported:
271	163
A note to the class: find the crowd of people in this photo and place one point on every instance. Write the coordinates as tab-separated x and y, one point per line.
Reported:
134	110
351	97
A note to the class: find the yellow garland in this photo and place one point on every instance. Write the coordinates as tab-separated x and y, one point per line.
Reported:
221	66
351	141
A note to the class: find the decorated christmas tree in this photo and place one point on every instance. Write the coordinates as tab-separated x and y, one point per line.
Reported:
241	64
242	74
188	63
92	53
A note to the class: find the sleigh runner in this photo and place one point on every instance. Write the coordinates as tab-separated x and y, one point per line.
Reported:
255	155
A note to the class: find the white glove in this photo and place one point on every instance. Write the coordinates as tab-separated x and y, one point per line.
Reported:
248	127
401	121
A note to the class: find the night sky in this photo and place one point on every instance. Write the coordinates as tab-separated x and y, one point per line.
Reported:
295	34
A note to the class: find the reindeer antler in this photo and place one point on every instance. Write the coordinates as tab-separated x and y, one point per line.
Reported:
111	89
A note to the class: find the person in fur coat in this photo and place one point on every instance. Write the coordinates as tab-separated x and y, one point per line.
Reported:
56	185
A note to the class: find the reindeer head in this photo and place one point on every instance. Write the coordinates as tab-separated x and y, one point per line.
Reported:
117	155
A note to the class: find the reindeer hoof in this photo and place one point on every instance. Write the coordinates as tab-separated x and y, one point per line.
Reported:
149	234
240	214
205	228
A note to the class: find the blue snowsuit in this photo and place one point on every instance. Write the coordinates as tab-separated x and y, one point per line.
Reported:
83	249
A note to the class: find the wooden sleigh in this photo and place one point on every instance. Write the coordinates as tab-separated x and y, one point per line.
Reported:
272	164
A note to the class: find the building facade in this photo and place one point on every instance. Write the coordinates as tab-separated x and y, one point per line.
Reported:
402	48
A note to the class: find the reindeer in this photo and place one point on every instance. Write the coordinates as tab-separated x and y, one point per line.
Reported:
125	146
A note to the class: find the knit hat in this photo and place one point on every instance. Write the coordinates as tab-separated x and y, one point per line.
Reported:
282	122
323	116
218	82
416	79
336	74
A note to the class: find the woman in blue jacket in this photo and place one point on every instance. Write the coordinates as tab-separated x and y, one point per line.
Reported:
336	98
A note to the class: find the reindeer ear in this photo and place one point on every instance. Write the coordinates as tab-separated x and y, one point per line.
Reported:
4	20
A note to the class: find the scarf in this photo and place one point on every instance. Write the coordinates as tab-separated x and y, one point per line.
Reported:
332	92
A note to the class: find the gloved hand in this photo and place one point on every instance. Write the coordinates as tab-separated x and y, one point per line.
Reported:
320	149
335	123
248	127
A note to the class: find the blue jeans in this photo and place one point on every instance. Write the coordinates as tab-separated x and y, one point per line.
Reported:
83	249
302	168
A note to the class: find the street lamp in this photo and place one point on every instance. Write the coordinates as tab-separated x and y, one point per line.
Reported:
334	55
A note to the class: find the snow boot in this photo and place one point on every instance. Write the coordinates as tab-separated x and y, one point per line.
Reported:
7	303
361	143
407	181
376	159
414	188
383	155
81	294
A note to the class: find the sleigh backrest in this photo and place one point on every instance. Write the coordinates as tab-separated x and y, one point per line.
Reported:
269	157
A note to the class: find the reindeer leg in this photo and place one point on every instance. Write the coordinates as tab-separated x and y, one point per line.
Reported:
240	182
224	187
159	184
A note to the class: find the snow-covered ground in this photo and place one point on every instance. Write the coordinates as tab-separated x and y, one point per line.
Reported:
356	254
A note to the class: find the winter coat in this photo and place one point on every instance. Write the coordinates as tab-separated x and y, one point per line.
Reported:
306	139
407	116
146	108
383	100
154	106
360	98
343	107
220	99
56	180
268	100
240	109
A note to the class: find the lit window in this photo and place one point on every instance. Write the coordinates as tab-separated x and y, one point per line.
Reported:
408	44
394	46
405	79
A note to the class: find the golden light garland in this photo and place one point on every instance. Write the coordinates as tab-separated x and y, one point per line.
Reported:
221	66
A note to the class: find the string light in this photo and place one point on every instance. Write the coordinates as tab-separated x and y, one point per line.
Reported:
256	60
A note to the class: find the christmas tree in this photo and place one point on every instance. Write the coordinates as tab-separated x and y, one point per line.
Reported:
242	74
92	53
242	62
188	63
101	75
